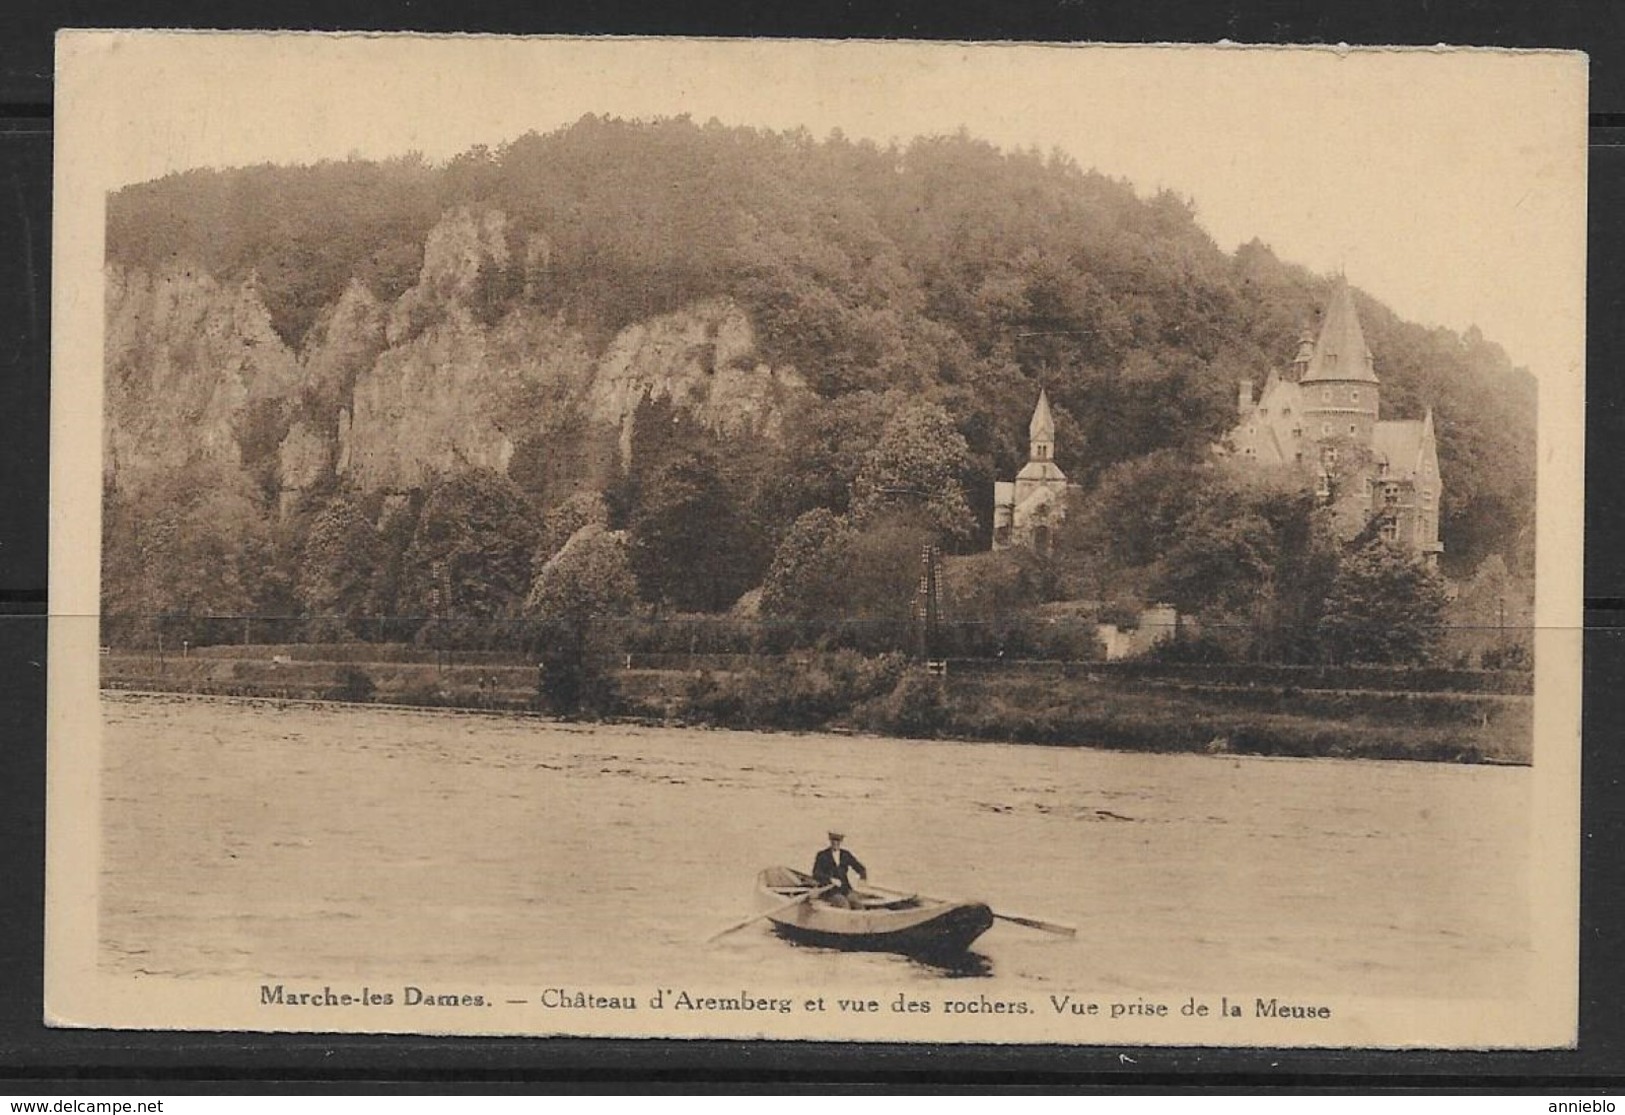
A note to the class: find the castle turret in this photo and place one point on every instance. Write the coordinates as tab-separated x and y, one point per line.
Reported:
1339	383
1306	353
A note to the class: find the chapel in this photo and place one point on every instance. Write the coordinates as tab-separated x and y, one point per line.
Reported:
1027	510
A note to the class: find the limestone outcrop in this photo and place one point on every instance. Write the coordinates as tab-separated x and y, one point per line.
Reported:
385	395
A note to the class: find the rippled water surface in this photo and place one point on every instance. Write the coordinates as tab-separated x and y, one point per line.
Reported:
245	839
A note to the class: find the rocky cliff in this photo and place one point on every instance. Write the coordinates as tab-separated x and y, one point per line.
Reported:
194	371
383	395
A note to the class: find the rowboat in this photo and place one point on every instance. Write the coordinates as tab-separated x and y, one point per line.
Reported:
912	924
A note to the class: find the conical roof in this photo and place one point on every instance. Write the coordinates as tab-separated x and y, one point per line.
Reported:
1306	348
1340	350
1042	427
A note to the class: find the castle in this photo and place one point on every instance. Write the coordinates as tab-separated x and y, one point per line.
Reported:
1027	511
1322	421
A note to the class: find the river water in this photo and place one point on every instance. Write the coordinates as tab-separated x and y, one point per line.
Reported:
323	841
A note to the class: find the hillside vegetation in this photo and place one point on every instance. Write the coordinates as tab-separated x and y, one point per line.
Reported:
743	359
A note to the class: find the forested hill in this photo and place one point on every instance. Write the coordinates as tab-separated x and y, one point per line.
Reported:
541	290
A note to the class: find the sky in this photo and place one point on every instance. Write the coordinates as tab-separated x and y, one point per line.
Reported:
1448	184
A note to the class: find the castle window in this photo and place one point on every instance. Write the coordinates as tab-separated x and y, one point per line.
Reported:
1382	468
1390	531
1331	361
1286	410
1297	431
1427	499
1323	484
1351	429
1325	429
1354	394
1390	494
1328	456
1325	394
1251	452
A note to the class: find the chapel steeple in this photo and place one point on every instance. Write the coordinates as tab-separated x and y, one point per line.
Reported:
1041	430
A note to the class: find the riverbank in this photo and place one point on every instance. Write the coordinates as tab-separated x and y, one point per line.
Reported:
1268	711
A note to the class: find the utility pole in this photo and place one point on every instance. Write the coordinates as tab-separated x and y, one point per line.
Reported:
928	605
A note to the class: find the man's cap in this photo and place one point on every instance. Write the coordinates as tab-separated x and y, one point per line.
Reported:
833	835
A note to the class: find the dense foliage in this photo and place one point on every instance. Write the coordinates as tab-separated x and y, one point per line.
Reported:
1384	608
925	290
588	580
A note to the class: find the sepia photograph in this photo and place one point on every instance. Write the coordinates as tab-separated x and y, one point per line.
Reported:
864	541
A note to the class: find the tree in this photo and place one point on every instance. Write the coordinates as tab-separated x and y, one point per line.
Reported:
829	576
561	522
1385	607
988	600
589	578
338	565
587	581
1247	552
916	467
1287	615
1139	504
692	549
186	558
470	556
1220	558
993	585
1252	551
804	581
397	520
875	593
1490	617
1114	539
825	444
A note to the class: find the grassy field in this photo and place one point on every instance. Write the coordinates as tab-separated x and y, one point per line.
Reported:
1252	720
1264	712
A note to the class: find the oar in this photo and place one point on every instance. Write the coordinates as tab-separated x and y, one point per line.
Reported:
1031	923
769	913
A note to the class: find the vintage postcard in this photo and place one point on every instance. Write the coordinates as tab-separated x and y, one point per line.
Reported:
816	540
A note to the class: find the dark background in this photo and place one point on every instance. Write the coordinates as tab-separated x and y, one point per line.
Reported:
36	1060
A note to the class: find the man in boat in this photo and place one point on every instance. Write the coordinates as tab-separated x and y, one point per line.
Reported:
831	865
